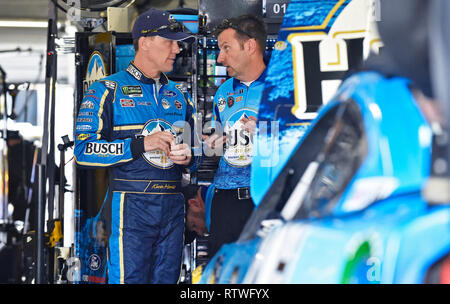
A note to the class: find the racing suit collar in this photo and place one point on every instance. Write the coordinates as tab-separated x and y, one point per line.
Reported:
140	76
260	79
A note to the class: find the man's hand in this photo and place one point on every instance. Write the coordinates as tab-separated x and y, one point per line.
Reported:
159	141
214	141
180	154
249	124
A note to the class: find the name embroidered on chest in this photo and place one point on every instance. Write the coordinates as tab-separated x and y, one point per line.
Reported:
163	187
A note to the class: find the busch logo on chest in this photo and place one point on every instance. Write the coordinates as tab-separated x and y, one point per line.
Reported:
238	151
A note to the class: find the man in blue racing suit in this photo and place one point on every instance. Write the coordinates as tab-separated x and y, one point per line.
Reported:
242	43
129	122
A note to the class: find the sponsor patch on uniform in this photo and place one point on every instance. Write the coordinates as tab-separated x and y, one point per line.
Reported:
240	91
178	105
165	104
127	103
85	113
230	101
83	128
239	98
144	103
87	105
104	148
84	119
134	72
110	84
132	90
94	262
83	136
169	93
221	104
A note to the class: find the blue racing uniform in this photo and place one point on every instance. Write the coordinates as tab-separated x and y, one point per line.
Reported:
231	204
234	100
146	207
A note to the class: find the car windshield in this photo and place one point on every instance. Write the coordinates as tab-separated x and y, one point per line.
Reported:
337	164
318	172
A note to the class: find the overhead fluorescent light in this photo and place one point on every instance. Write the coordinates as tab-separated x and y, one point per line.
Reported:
23	23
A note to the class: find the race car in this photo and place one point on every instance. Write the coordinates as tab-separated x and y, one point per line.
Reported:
358	211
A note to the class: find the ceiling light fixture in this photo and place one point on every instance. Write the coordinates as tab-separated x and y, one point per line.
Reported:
23	23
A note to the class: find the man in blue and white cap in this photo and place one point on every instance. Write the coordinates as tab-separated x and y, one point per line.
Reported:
128	123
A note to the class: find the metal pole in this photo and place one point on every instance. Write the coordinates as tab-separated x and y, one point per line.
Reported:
40	263
62	161
42	175
4	201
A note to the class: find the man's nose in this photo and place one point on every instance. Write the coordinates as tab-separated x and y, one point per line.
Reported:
175	47
220	57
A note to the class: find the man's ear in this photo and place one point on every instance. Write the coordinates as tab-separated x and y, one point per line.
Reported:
144	43
251	46
193	203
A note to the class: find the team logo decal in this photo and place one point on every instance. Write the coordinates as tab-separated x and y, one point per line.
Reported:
165	104
239	148
230	101
221	104
157	158
96	70
94	262
280	45
178	105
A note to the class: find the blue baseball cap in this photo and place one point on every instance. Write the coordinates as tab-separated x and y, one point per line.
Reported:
159	23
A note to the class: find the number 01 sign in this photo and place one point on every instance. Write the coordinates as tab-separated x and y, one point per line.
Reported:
276	8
